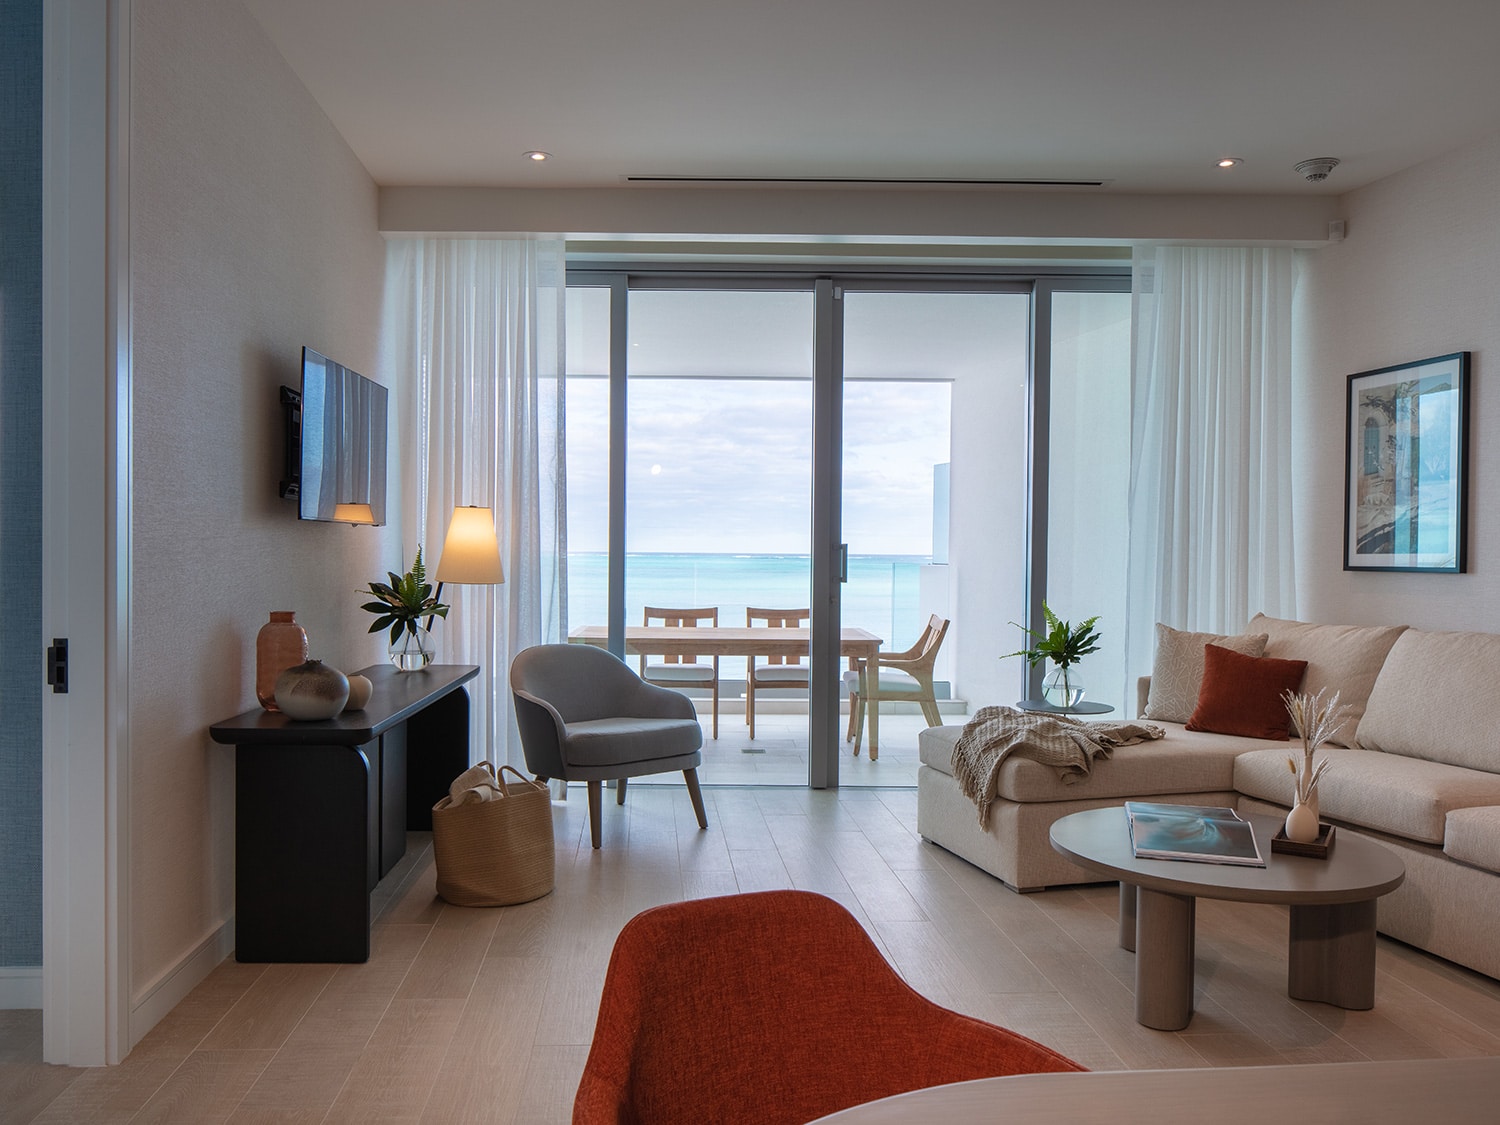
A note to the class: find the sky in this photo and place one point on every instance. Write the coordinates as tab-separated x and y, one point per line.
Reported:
720	407
725	466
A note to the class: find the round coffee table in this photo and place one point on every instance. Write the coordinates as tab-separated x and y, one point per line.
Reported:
1331	942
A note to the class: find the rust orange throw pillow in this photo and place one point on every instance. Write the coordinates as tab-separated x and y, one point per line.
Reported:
1242	694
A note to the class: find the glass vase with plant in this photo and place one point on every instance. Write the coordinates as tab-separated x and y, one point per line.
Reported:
406	607
1064	644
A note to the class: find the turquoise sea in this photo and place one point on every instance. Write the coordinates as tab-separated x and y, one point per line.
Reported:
881	594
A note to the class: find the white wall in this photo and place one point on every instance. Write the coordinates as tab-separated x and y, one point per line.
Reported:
1416	277
252	233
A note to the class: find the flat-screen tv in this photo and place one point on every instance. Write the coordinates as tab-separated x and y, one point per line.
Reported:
340	433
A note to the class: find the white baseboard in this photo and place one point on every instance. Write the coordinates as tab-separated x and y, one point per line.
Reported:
171	987
21	987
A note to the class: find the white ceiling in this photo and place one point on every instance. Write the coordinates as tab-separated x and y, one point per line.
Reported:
1143	94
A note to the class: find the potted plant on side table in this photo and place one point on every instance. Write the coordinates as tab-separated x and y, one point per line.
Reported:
1064	644
406	606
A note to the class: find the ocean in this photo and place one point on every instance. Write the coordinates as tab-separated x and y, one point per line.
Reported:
881	594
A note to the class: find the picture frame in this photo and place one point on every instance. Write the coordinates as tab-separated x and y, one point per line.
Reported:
1406	493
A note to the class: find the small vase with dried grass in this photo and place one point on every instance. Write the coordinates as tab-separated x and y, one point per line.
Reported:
1317	720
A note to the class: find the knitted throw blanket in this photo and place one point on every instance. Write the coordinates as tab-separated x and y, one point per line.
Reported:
1068	744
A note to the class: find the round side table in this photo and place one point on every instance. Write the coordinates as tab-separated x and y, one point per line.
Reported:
1084	708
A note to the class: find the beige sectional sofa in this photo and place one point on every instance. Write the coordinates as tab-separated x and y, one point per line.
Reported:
1419	773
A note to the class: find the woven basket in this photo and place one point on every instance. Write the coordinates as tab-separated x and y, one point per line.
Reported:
496	852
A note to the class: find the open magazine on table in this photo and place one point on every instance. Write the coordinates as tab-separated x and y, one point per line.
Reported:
1198	833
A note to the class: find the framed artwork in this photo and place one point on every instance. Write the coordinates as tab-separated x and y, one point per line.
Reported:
1406	467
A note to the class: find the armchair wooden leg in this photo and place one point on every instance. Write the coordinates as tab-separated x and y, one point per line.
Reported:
620	791
596	800
696	795
849	734
716	708
859	723
750	707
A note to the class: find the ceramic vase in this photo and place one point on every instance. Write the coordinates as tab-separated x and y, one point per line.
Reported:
1302	823
311	690
411	652
359	692
280	644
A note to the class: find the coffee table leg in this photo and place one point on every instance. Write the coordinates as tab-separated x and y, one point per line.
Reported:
1127	916
1164	959
1331	954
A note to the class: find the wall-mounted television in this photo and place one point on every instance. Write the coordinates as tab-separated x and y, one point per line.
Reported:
336	442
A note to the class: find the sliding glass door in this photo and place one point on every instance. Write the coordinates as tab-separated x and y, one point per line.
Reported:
718	495
726	437
935	405
1088	479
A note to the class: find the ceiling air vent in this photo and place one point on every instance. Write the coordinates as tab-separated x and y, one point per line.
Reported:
861	181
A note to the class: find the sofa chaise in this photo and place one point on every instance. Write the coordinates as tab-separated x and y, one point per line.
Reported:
1416	767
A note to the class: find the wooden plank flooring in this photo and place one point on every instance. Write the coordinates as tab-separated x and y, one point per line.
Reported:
486	1015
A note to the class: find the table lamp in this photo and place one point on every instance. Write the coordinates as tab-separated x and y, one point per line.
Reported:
471	551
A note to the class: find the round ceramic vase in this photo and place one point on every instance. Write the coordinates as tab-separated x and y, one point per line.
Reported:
311	691
359	692
1302	823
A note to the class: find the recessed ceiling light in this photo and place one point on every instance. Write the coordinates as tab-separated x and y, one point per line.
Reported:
1229	162
538	155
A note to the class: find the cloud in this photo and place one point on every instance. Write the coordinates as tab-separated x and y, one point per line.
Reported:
736	465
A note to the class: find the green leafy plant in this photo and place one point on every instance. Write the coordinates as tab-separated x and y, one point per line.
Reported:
404	602
1062	643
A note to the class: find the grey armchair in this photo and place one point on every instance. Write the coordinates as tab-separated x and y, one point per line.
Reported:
585	716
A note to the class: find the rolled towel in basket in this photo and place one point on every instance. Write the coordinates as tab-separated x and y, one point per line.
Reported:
475	784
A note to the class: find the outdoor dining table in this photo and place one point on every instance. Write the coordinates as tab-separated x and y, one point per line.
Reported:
743	640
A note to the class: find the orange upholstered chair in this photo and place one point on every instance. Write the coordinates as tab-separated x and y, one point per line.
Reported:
771	1009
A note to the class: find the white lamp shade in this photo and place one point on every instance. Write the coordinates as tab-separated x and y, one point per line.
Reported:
471	552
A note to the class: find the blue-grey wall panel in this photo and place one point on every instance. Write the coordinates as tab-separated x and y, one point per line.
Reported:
21	481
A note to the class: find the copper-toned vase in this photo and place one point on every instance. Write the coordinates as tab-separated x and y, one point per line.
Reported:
280	643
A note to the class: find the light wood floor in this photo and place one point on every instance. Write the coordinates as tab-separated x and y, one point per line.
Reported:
486	1015
778	754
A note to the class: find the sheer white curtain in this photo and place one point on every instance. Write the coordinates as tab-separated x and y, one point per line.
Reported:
1210	491
476	328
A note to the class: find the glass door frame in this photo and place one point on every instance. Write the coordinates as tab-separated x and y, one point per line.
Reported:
828	286
824	657
825	677
1039	422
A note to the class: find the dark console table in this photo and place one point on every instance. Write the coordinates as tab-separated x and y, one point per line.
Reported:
322	809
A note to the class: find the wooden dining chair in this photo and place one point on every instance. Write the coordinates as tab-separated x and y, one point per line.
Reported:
777	671
904	676
684	671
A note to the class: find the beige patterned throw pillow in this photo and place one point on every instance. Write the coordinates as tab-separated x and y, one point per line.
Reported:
1177	671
